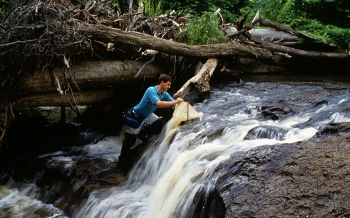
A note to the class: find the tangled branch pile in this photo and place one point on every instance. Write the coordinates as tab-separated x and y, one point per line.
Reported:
42	34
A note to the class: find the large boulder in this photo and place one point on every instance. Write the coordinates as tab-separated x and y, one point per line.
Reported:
305	179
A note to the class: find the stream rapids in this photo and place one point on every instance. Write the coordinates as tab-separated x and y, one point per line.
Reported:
181	163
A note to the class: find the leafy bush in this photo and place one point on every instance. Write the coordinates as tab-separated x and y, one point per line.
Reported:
325	33
203	30
152	7
327	20
334	12
229	8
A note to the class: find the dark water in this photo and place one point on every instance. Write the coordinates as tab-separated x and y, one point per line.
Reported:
179	164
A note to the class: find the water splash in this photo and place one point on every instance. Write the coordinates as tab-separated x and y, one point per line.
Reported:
18	200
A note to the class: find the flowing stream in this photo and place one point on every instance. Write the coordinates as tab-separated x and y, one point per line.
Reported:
181	161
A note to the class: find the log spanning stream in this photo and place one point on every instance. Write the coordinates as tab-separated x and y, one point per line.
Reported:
178	167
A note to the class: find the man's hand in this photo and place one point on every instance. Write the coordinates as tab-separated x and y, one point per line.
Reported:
179	100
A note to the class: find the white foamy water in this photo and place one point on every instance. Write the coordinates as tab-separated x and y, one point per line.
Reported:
19	202
166	179
171	173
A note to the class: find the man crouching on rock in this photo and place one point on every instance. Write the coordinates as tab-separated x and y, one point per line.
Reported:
141	116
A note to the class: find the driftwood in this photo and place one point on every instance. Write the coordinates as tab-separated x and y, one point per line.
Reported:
79	85
200	81
65	99
298	53
274	47
171	47
279	27
258	50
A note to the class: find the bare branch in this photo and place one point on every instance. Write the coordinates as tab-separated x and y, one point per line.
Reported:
285	29
18	42
221	18
200	80
255	20
148	62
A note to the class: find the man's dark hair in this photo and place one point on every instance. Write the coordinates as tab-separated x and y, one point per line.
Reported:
164	78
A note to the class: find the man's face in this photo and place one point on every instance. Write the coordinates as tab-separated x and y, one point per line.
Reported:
165	85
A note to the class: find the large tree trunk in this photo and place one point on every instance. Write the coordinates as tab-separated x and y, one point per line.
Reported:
167	46
82	84
215	50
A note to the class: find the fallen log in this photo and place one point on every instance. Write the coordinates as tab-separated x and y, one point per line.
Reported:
279	27
82	80
273	47
66	99
200	81
103	33
89	75
262	52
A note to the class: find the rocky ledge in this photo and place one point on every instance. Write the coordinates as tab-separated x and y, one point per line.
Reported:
305	179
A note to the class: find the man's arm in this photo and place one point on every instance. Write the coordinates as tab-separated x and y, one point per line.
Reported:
164	104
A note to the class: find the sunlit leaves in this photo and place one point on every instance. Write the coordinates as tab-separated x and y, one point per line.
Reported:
204	30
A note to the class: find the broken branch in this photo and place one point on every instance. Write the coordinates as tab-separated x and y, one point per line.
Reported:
200	80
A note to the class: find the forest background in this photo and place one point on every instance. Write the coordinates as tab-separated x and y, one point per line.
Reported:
326	20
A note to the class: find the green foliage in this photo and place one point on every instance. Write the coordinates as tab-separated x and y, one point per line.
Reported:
286	13
229	8
2	11
76	2
152	7
280	11
325	33
327	20
203	30
334	12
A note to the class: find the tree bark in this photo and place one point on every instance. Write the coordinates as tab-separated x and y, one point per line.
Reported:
285	29
273	47
66	99
104	33
262	51
84	79
200	81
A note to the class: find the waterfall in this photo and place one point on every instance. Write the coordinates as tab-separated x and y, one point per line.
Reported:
181	162
168	176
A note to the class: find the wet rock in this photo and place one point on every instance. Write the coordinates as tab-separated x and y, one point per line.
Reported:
66	189
307	179
267	132
333	131
30	135
270	116
276	111
207	204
